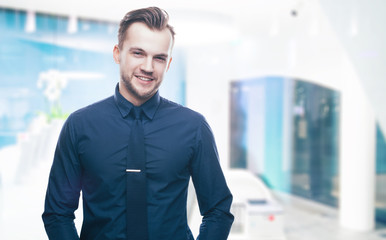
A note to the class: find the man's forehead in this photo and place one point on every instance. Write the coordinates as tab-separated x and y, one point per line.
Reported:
140	36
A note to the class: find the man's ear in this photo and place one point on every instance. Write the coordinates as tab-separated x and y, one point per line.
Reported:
116	54
170	60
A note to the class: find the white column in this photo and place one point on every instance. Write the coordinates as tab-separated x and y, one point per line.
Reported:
357	158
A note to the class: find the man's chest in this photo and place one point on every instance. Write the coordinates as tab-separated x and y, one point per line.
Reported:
168	149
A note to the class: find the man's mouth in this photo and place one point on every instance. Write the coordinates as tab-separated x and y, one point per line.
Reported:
143	78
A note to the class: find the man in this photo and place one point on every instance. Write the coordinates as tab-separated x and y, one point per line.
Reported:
97	145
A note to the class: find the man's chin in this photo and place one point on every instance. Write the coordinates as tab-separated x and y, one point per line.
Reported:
144	96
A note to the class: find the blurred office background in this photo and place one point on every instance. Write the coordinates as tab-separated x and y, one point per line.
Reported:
294	91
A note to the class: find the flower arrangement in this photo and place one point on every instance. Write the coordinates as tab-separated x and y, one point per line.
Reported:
53	82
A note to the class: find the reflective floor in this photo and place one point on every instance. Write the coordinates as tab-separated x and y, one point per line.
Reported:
306	220
21	205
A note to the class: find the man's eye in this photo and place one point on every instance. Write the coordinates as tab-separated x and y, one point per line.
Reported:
137	53
161	59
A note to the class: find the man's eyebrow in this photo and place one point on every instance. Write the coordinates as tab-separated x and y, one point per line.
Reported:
162	55
132	49
136	49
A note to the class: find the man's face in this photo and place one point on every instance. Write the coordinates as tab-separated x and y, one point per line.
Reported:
143	61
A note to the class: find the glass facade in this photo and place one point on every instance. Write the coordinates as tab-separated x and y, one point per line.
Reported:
286	132
52	65
315	141
380	197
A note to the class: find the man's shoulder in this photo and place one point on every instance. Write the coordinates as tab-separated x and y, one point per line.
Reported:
174	108
98	108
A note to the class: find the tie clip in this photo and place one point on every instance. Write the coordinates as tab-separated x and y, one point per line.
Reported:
133	170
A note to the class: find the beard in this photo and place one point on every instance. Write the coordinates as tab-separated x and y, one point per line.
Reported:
135	92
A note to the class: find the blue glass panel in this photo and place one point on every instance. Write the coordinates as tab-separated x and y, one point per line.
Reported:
12	21
380	199
316	142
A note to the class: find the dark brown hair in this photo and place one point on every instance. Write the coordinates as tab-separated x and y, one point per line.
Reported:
154	17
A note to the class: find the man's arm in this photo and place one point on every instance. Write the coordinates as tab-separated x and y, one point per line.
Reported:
214	197
63	189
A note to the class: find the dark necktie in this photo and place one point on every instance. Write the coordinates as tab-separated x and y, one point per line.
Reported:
136	181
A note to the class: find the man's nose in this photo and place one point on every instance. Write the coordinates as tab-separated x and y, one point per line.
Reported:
147	65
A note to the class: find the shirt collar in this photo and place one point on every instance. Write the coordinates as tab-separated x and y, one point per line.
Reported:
124	106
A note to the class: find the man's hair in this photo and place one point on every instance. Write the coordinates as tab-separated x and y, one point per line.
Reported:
154	17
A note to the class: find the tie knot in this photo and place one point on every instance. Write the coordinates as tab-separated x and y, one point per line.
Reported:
137	112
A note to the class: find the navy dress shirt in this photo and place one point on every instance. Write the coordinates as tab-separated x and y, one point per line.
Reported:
91	157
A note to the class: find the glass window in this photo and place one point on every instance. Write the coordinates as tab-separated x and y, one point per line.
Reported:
286	132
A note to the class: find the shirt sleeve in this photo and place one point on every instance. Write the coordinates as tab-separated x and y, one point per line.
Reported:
213	195
63	191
